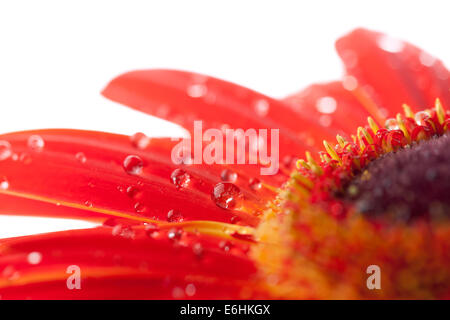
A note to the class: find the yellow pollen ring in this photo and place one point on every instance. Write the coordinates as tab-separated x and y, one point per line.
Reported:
439	111
331	152
402	127
407	110
373	125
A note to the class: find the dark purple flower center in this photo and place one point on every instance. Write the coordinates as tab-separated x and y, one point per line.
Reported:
408	184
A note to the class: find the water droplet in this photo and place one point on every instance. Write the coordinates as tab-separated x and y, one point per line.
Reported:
5	150
4	184
421	117
81	157
261	107
226	195
133	165
180	178
228	175
225	245
254	184
349	83
174	216
190	290
197	90
25	158
426	59
326	105
123	231
390	44
152	229
34	257
197	248
350	58
135	193
36	143
88	204
140	140
391	124
140	207
175	234
177	293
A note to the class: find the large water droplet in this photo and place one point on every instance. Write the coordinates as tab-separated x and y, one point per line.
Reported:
228	175
262	107
326	105
36	143
190	290
34	257
81	157
254	184
174	216
391	124
180	178
140	140
133	164
226	195
5	150
4	184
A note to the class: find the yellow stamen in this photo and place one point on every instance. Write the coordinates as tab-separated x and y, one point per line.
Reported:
373	125
439	111
313	164
302	163
331	152
341	141
366	135
407	110
402	127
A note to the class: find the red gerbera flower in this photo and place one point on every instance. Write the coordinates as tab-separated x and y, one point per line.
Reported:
379	197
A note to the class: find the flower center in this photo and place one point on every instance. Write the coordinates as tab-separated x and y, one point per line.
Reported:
410	183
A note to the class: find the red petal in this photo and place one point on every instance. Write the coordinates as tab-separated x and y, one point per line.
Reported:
124	266
340	109
183	97
394	72
54	179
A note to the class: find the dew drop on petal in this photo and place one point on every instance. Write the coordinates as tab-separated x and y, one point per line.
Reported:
326	105
228	175
81	157
390	44
254	184
140	140
197	248
261	107
133	164
151	229
174	216
134	192
139	207
391	124
421	117
5	150
4	184
175	234
197	90
349	83
225	245
25	158
123	231
177	293
190	290
88	204
226	195
180	178
34	257
36	143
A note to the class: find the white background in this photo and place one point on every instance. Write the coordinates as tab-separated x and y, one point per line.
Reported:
56	56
